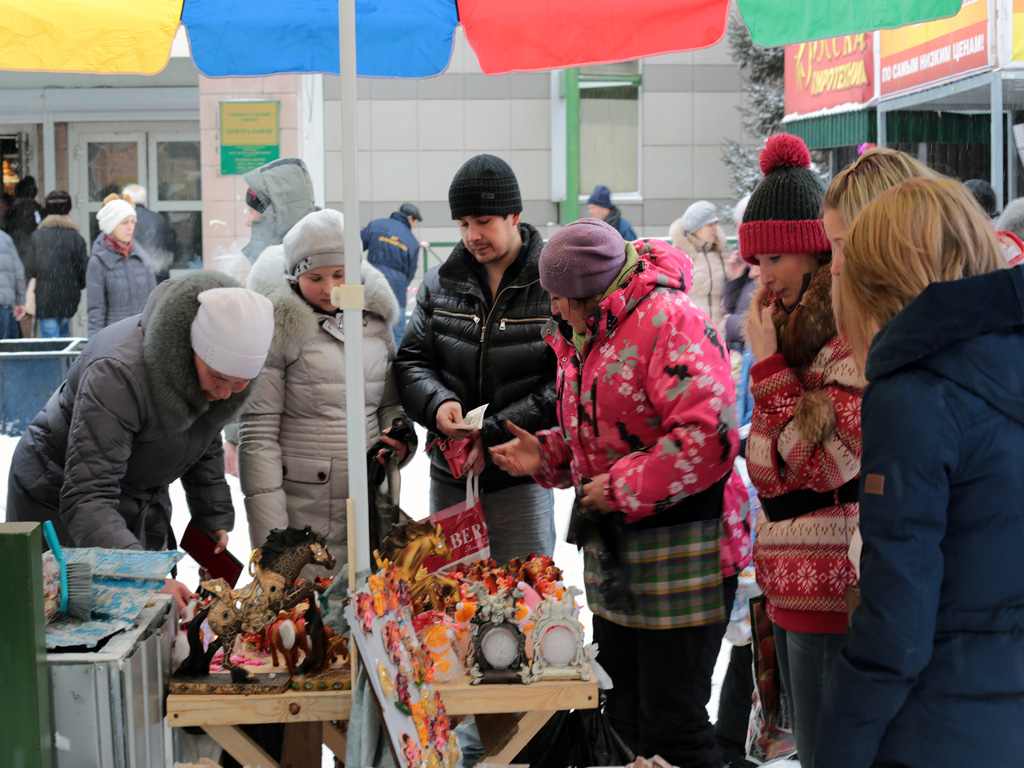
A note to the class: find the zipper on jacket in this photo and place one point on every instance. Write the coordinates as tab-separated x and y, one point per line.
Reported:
483	331
463	315
501	325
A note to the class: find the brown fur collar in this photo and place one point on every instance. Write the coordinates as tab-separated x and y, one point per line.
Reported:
804	331
63	222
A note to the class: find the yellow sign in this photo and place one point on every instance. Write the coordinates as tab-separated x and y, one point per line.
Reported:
1018	30
249	135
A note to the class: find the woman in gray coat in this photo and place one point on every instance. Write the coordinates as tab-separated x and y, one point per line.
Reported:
293	431
143	406
119	277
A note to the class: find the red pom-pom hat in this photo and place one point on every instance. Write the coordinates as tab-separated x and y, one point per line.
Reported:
784	212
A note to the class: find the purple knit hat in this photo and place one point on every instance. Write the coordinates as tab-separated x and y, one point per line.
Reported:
582	259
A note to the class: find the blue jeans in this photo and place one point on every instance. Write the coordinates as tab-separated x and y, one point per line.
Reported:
399	327
806	660
54	327
520	519
9	328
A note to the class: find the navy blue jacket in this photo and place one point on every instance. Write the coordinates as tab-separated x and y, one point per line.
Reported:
933	669
393	250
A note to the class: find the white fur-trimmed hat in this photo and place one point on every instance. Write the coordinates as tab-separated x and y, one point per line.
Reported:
232	331
113	213
317	240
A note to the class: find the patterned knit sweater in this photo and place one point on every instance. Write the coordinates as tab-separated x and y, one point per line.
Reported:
806	436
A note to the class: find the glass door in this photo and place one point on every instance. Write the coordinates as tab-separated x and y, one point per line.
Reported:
106	163
176	193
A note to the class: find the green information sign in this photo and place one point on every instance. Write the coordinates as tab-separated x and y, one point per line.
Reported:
249	135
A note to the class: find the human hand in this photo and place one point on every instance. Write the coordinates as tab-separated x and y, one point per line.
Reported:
18	311
734	265
650	762
179	591
476	457
401	449
222	540
593	497
761	330
520	455
448	415
230	458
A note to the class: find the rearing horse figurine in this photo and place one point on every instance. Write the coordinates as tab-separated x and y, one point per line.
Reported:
407	546
274	569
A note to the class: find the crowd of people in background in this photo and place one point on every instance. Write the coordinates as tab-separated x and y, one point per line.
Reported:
847	369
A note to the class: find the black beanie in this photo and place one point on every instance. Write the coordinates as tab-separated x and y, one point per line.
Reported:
783	214
484	186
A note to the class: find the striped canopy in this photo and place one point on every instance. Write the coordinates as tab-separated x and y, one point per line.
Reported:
411	38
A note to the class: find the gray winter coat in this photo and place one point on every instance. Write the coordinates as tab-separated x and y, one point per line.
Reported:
116	287
293	430
285	188
12	274
129	420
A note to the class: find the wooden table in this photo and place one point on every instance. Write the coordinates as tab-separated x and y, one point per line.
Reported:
507	715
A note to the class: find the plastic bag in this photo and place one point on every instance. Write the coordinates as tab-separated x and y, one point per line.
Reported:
770	733
465	530
576	739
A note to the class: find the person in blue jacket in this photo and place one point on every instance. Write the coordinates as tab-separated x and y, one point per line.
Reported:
600	206
933	669
393	249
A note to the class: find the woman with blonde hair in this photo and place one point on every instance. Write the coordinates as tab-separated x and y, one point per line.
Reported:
929	674
871	174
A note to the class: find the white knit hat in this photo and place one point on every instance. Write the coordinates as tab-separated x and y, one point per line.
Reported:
232	331
318	240
113	213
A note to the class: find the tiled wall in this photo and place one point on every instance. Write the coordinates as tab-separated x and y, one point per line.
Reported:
224	229
413	135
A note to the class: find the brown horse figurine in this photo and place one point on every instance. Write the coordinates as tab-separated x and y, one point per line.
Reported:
407	546
274	568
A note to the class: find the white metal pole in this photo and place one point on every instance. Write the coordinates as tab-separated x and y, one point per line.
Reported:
355	395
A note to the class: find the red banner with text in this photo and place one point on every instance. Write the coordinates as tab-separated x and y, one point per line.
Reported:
829	73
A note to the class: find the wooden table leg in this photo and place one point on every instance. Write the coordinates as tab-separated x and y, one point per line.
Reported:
504	736
303	745
236	743
335	739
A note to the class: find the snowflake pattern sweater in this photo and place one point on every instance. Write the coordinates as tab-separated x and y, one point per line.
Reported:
805	435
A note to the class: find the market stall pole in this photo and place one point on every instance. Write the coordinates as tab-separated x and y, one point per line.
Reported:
508	716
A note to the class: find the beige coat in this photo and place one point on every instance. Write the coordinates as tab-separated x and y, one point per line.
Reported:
708	271
293	431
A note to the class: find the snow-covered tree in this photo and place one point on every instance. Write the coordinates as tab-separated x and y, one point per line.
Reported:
763	73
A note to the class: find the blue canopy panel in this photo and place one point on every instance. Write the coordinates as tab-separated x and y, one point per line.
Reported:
394	38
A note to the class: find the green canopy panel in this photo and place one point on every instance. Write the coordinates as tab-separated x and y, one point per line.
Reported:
845	129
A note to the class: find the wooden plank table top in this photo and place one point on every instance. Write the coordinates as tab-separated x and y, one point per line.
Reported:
460	698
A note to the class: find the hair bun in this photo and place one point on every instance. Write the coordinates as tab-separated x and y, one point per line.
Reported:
784	150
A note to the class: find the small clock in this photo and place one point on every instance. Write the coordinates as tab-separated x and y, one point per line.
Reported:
497	649
558	640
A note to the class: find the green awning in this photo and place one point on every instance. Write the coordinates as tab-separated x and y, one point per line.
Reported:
845	129
842	129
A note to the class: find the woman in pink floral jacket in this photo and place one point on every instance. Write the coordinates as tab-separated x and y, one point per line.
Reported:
647	435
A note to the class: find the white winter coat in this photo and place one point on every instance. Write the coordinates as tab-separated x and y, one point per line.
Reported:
293	430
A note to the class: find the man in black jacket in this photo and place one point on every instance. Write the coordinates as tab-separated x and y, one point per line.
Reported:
474	339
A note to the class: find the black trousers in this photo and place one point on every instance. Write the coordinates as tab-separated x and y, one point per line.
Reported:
662	685
734	706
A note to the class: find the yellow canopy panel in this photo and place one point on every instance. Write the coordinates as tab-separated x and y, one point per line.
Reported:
124	36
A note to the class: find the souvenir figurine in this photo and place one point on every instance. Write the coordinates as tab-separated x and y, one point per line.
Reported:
274	568
364	611
376	585
452	754
393	643
411	751
386	685
431	760
403	702
419	717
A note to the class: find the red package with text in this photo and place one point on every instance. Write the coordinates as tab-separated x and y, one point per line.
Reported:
464	530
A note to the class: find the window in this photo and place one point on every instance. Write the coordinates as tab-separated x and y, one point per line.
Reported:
610	127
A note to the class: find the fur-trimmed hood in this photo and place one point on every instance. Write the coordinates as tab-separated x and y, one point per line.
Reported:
60	221
295	321
167	350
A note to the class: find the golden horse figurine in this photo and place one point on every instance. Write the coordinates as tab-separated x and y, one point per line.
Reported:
406	547
274	568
